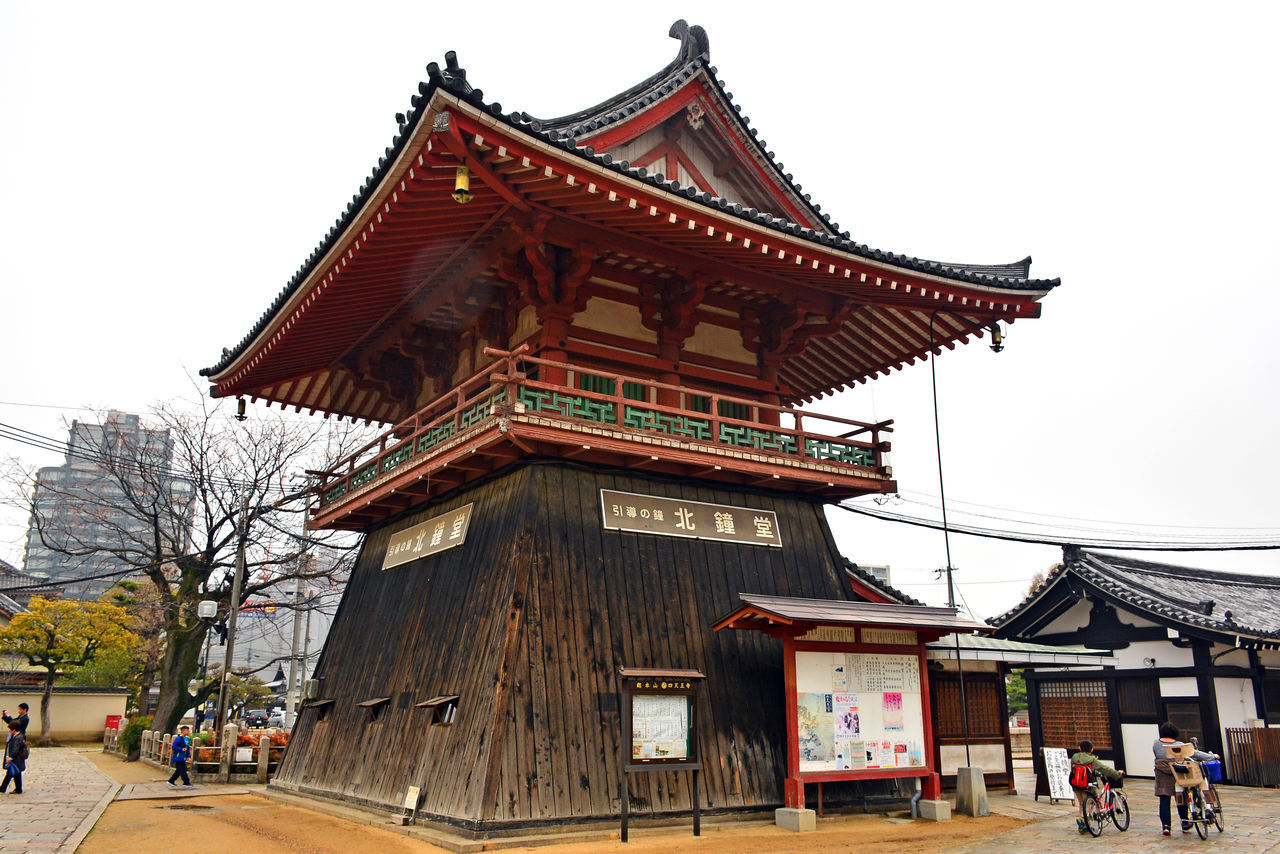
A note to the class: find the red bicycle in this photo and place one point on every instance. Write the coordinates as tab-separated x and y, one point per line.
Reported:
1104	804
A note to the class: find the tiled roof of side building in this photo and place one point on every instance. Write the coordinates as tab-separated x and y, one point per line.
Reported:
1225	602
884	587
453	79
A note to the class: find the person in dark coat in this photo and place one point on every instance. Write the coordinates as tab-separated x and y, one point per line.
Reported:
23	719
15	758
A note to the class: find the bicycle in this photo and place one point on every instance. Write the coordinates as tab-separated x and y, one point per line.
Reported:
1103	805
1203	811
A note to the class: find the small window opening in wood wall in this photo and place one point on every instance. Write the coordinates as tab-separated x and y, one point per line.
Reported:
375	708
443	709
322	707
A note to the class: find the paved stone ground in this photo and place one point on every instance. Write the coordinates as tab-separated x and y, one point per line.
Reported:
1252	825
63	794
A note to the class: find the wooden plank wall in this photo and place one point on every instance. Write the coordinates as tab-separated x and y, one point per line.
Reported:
529	621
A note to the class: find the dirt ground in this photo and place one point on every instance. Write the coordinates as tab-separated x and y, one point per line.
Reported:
252	824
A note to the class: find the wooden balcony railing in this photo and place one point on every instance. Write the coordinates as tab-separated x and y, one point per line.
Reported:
519	389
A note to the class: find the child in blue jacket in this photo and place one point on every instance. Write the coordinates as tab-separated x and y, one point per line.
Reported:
181	754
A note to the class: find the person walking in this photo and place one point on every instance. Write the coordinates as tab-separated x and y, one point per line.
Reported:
181	754
1165	786
15	758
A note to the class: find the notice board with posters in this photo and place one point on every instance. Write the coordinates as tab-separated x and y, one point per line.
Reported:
859	712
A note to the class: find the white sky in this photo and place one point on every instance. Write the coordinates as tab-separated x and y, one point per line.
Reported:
166	168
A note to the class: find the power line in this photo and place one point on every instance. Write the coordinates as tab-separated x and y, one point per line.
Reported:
932	502
1153	531
1223	545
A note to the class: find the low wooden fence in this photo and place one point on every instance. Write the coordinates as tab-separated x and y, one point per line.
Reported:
1253	756
230	763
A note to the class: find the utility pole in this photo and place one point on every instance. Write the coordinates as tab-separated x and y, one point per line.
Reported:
289	700
221	712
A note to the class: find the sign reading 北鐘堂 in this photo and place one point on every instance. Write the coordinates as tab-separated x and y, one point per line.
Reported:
675	517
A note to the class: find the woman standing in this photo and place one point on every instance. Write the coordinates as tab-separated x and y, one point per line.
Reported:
1165	788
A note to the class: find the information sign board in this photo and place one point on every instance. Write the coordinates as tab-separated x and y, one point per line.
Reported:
660	727
1057	768
659	711
859	711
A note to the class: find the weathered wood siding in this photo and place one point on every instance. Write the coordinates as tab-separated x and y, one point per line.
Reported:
529	621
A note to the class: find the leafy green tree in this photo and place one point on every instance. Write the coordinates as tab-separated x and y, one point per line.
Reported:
64	635
1016	688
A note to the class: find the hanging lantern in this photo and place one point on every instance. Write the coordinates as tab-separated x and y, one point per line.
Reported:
997	337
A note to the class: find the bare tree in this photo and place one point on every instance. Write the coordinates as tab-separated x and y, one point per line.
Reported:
167	509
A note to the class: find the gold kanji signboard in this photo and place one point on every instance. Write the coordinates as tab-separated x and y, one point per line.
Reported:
674	517
426	538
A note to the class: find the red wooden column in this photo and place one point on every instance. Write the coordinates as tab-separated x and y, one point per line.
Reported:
931	783
769	373
555	334
792	786
669	351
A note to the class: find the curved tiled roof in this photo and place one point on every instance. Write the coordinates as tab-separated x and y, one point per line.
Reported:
874	583
1222	602
560	133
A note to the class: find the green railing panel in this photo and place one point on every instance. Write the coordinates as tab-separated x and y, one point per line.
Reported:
479	411
434	436
824	449
333	494
567	405
682	426
761	440
396	457
365	475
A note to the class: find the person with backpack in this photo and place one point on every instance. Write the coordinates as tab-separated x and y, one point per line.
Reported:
16	753
1084	765
181	754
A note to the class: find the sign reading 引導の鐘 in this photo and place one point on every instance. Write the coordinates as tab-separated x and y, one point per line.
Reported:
858	711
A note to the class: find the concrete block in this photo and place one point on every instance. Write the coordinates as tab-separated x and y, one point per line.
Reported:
971	792
935	810
794	819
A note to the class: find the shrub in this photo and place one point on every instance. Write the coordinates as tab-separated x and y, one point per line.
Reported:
131	737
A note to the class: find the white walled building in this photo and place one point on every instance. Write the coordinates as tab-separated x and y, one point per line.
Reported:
1196	647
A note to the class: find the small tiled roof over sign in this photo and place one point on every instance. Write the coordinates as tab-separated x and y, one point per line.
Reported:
1240	608
789	610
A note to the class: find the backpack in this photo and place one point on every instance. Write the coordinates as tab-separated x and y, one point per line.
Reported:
1080	776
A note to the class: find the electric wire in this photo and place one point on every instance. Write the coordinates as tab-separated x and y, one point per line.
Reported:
1057	540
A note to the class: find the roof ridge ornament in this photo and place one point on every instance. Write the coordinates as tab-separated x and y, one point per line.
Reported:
453	76
693	41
